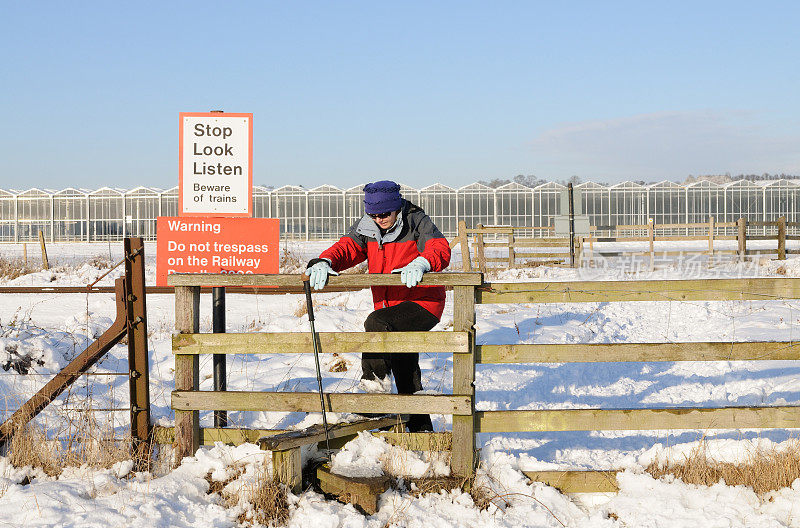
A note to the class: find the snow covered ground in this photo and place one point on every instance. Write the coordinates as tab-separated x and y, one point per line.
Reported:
53	328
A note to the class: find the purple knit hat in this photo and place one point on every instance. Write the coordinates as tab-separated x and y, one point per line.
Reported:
382	197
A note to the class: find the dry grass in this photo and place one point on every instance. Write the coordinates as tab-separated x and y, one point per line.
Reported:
30	447
438	448
13	268
537	263
483	496
217	486
781	270
425	485
100	262
302	309
86	444
291	261
338	364
268	503
261	503
764	470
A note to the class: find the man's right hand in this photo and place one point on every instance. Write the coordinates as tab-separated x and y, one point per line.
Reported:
318	274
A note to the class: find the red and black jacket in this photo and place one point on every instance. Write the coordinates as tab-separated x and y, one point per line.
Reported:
413	235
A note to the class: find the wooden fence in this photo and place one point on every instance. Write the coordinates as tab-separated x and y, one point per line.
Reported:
634	419
470	290
558	256
710	232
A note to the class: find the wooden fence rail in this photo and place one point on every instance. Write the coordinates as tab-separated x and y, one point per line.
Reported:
469	290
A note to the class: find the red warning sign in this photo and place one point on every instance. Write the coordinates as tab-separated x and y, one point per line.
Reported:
215	245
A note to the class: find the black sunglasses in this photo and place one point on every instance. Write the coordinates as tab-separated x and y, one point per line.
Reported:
380	215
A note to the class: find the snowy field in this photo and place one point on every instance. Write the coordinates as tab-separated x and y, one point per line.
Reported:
52	329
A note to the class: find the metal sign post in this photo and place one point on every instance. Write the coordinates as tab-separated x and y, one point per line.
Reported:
220	374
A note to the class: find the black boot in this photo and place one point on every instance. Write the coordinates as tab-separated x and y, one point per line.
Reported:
420	423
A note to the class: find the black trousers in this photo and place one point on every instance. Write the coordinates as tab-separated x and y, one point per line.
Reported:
404	317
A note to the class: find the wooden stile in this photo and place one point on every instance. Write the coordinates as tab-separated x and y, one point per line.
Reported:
189	344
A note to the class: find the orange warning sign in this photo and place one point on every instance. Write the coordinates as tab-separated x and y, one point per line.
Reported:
215	245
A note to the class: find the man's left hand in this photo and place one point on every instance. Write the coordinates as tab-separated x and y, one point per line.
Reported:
412	273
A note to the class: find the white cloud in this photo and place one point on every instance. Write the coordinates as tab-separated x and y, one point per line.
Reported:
667	145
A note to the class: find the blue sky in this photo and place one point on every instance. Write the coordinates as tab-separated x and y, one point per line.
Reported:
420	92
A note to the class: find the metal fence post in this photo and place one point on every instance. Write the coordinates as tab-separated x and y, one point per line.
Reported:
219	360
138	365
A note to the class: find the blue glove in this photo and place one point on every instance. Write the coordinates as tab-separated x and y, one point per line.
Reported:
318	274
411	274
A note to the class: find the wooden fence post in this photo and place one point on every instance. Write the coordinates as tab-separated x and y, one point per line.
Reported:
741	237
287	468
711	236
782	238
511	254
463	455
480	249
651	236
45	263
462	235
187	371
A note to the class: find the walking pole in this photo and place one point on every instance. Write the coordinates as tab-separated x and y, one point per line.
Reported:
310	306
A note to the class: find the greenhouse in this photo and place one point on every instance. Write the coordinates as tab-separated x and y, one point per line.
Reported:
326	212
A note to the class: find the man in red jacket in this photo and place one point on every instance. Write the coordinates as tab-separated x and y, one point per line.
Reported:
393	236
